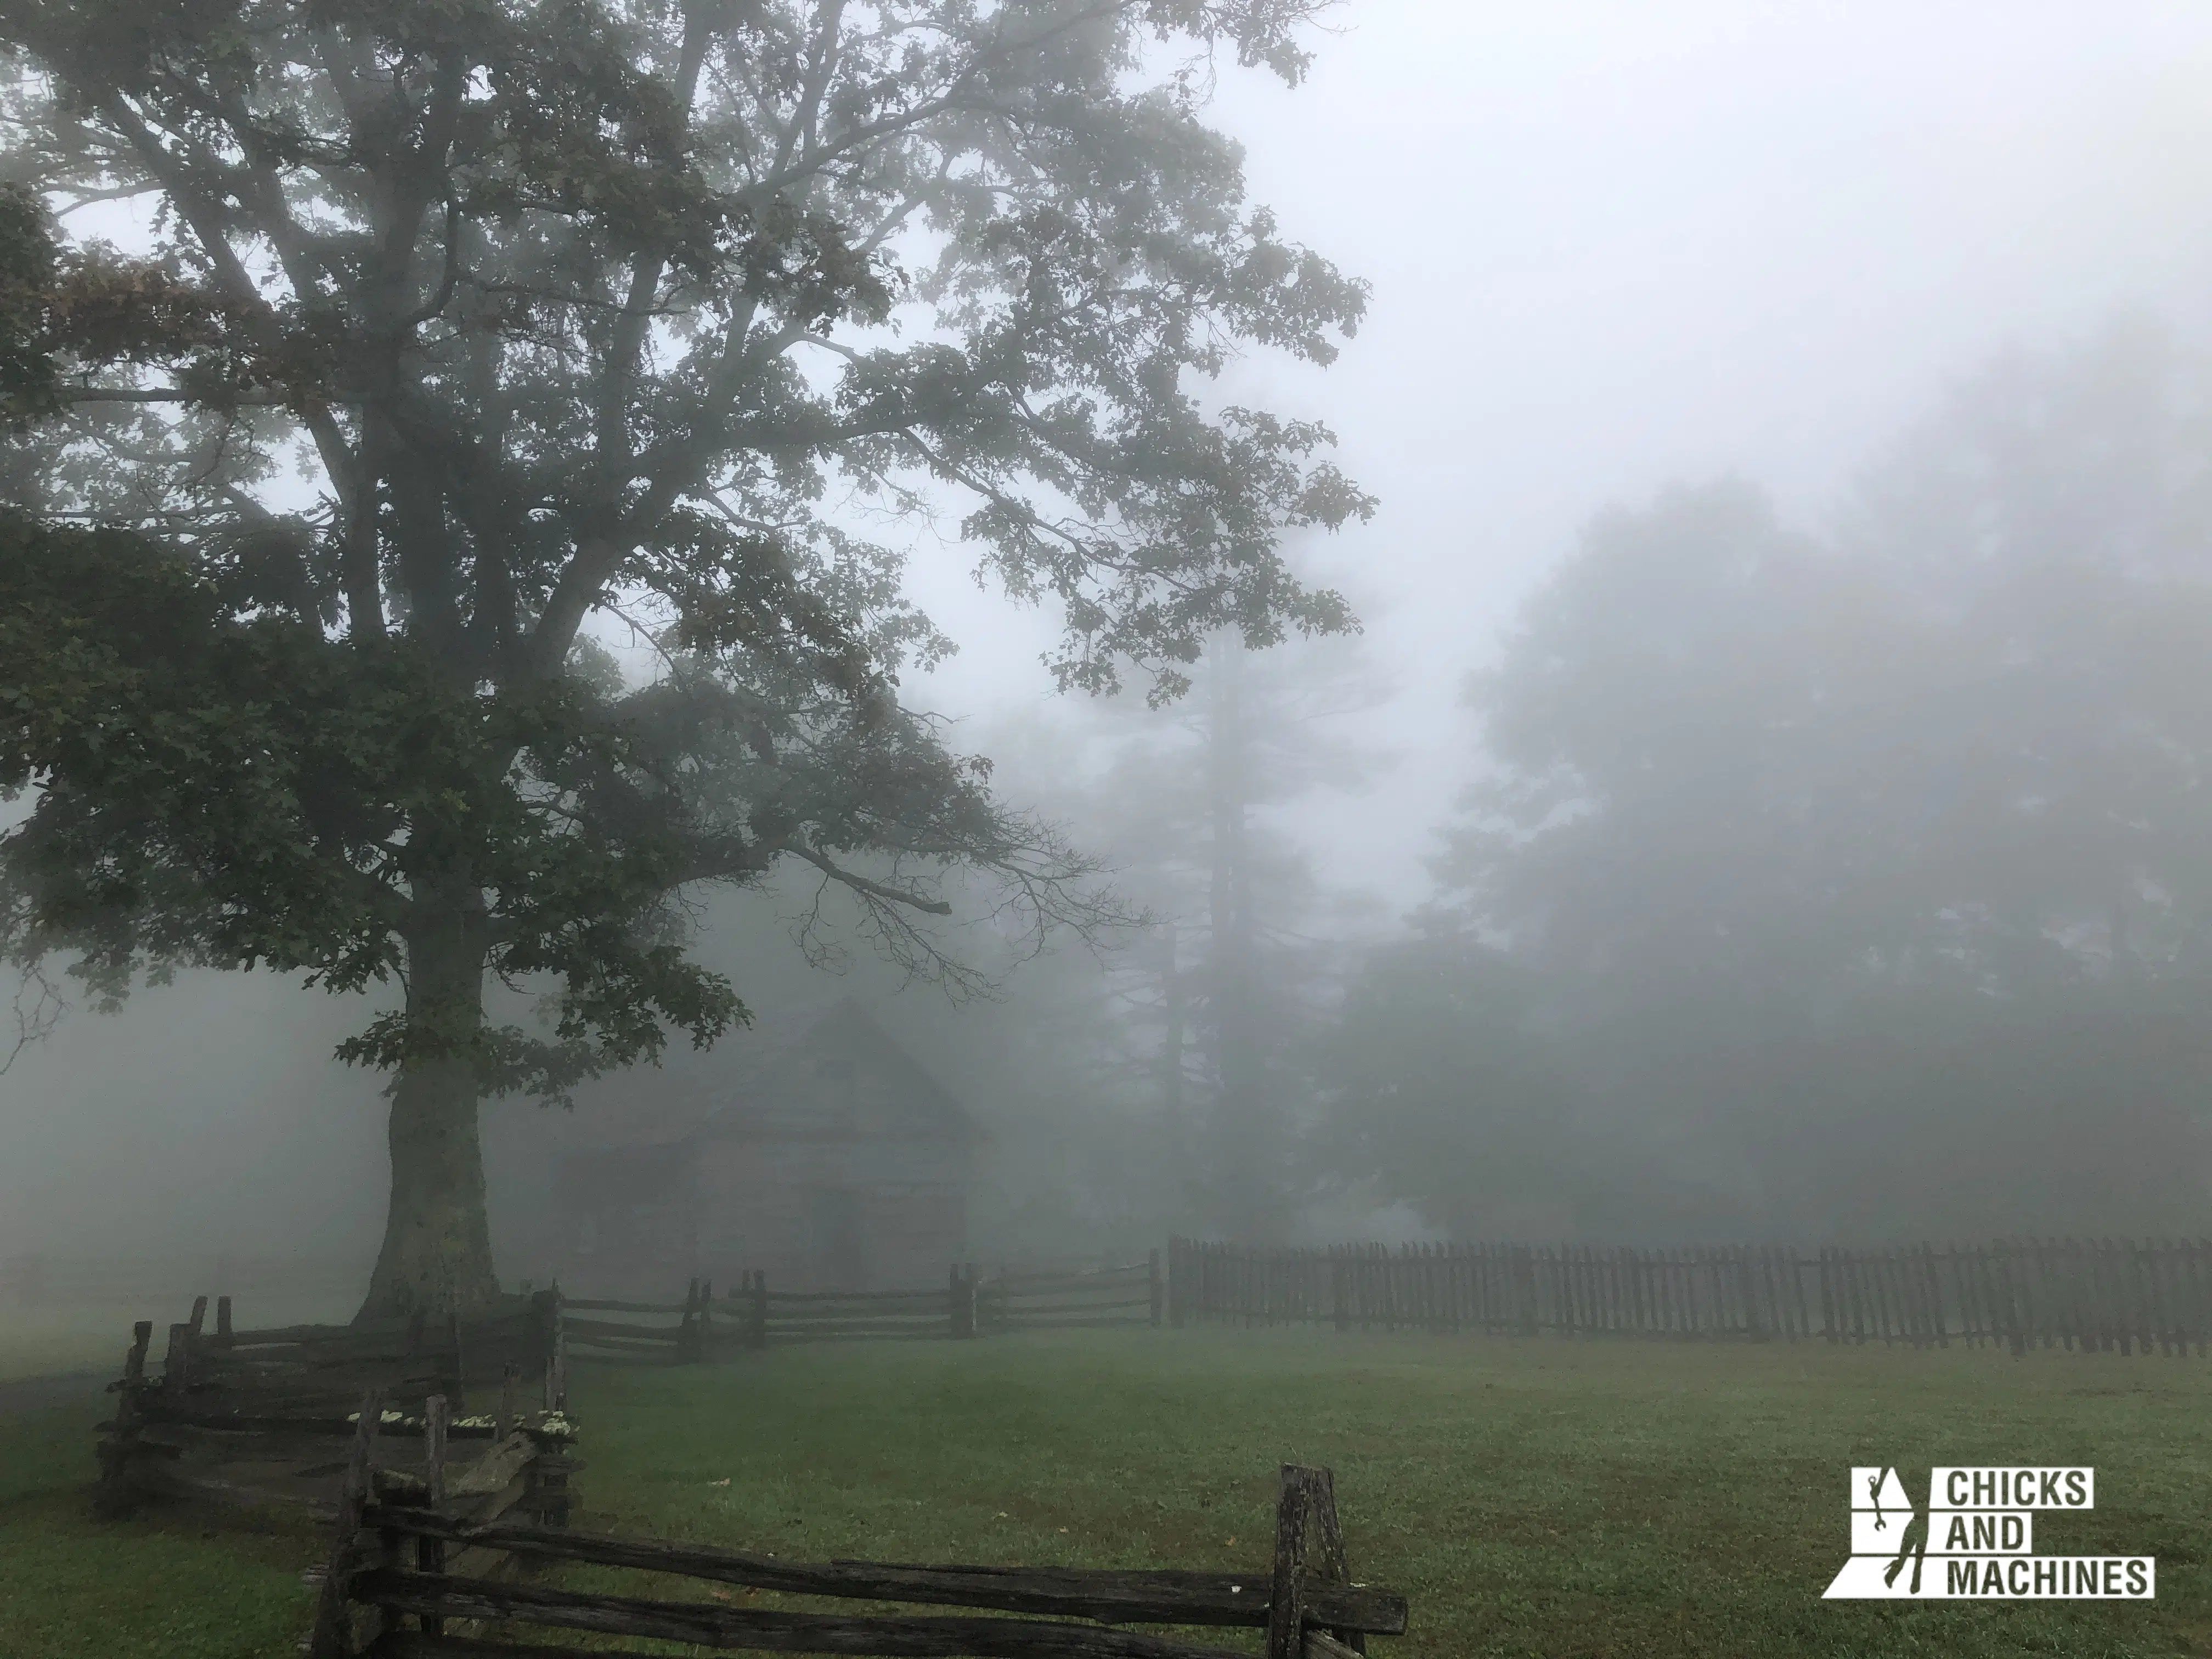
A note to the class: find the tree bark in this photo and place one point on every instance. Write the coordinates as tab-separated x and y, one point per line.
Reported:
436	1256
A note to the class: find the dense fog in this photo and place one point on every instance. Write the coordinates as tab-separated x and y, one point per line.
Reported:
1766	796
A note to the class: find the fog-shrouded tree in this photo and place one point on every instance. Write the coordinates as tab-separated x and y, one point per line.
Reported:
1198	809
451	334
1810	844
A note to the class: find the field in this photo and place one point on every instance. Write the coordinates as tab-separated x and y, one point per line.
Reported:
1543	1496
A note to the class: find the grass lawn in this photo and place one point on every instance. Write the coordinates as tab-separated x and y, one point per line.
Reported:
1530	1498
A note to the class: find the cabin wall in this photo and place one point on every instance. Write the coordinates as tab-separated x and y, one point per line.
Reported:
832	1214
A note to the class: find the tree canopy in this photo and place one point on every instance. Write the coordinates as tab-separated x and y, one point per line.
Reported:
1844	879
457	332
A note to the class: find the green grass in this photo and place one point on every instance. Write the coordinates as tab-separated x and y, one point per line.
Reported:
1537	1498
167	1586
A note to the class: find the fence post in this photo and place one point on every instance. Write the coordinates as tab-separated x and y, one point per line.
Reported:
687	1326
1286	1587
116	1495
557	1353
1156	1286
329	1640
430	1552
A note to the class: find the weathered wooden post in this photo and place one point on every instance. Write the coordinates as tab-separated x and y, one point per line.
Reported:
546	1494
556	1352
687	1328
177	1362
430	1552
330	1638
1340	1290
1309	1542
1334	1565
1156	1286
971	1297
706	1340
116	1495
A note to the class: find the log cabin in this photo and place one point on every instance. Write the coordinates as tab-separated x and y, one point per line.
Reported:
835	1163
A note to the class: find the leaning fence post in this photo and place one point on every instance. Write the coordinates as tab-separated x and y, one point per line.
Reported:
117	1494
329	1640
177	1362
1335	1564
1287	1588
687	1328
430	1552
1155	1285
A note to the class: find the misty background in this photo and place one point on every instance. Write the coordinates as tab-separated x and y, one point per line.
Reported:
1794	420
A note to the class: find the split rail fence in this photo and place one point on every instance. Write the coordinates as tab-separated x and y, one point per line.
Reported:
752	1316
256	1419
391	1591
2083	1295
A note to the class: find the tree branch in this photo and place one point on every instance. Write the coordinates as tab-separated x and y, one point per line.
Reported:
860	883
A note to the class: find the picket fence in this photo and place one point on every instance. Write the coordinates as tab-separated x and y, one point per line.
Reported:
2098	1295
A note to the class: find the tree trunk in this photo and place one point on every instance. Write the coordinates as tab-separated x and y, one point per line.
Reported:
436	1257
1246	1139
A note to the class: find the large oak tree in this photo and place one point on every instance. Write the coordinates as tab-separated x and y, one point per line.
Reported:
455	328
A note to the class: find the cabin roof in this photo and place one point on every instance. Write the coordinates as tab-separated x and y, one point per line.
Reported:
923	1107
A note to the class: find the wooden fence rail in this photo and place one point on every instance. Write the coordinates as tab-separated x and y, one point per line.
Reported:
2095	1296
752	1316
252	1419
395	1587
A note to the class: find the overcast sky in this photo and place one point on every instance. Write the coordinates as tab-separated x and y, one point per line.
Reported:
1611	246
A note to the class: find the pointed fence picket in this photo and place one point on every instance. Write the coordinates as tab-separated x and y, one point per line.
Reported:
2088	1295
